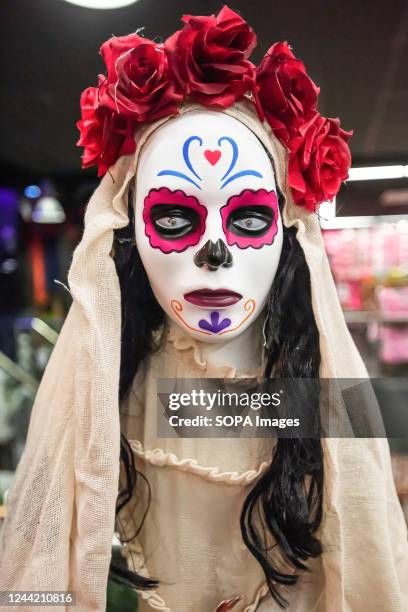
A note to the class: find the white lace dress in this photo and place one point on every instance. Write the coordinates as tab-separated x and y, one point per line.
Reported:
190	540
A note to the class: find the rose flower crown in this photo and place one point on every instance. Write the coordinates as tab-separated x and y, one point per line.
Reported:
207	62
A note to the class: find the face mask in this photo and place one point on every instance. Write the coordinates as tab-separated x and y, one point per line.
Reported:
207	222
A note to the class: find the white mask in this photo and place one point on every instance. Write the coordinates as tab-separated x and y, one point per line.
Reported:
207	221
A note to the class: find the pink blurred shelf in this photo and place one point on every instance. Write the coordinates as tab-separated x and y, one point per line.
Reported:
370	316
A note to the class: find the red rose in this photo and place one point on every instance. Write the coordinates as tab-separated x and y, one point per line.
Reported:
104	134
285	93
209	57
139	83
319	161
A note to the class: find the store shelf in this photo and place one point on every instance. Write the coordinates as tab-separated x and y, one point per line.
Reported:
369	316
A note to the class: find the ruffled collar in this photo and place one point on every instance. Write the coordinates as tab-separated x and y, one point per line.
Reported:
189	350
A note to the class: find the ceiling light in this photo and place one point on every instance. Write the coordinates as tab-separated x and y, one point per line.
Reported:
362	222
102	4
32	191
373	173
48	210
327	211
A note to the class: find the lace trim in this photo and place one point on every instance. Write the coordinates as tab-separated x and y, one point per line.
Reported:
159	458
184	342
262	592
155	601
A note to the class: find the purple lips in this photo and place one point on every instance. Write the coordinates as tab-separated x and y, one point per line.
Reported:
213	298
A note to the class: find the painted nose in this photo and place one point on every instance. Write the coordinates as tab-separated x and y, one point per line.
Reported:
213	255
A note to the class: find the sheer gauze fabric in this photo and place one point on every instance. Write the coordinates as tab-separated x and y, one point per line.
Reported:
61	508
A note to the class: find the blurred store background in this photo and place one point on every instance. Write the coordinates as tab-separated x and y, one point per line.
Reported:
356	51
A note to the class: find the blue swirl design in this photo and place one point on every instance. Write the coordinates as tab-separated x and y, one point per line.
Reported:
187	161
240	174
234	153
186	157
179	175
226	178
233	163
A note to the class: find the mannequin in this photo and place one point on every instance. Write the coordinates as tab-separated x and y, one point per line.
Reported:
208	524
172	275
238	238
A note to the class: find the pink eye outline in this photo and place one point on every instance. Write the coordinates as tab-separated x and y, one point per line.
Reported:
251	197
166	196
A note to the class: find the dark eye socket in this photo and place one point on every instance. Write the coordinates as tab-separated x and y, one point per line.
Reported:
173	221
250	220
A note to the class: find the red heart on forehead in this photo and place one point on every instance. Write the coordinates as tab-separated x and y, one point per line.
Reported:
212	156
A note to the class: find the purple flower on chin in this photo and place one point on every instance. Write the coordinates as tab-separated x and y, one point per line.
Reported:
216	325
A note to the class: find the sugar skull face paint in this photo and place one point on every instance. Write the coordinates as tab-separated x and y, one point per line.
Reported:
207	222
173	220
250	219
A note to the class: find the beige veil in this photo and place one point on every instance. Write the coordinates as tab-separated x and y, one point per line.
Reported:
60	520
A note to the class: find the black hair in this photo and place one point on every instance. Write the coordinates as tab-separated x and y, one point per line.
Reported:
286	501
